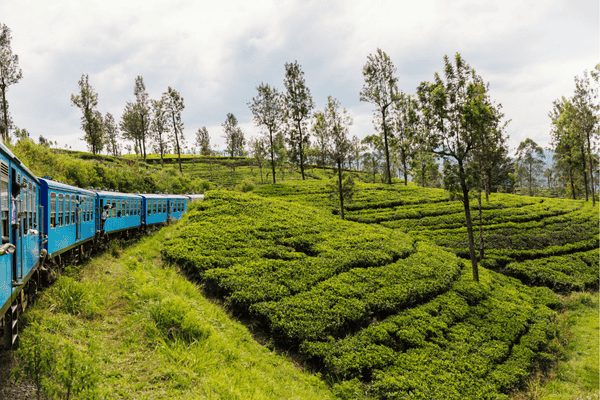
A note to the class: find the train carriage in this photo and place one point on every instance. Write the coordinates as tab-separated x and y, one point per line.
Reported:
155	209
20	237
68	216
123	211
177	206
48	223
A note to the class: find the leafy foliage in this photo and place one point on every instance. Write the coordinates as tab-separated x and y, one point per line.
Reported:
366	303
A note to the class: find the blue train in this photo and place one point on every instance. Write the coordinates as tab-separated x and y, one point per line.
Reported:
46	225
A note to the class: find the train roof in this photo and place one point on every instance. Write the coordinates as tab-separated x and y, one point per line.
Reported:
106	193
63	186
163	196
15	159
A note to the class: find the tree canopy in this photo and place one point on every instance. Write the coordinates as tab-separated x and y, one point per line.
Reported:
380	88
91	121
10	73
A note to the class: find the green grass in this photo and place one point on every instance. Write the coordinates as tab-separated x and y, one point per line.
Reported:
146	332
576	374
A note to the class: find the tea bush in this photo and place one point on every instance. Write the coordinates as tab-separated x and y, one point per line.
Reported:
378	311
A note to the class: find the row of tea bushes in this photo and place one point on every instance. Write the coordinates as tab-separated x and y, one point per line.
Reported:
476	341
256	250
364	301
571	272
355	297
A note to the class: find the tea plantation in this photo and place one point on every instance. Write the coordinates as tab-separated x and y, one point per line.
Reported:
541	241
374	303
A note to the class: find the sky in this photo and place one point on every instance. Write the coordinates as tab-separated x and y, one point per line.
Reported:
216	53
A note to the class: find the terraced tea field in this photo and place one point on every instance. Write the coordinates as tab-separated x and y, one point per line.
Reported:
541	241
378	309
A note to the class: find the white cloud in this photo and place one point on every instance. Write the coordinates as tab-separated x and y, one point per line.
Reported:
215	53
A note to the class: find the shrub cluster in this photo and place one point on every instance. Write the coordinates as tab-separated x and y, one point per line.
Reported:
363	301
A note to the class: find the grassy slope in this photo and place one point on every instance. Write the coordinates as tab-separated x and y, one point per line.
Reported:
120	313
578	374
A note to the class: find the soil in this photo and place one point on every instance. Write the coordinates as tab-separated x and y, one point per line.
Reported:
8	389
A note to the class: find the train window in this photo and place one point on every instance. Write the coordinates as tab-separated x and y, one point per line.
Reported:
52	210
5	199
139	207
34	206
73	210
67	209
155	206
90	208
30	203
114	209
60	210
25	207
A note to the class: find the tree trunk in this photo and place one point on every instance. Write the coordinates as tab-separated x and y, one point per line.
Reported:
5	109
143	138
301	150
465	190
374	167
480	228
272	154
387	152
531	180
585	183
572	184
340	189
591	170
403	152
177	143
261	174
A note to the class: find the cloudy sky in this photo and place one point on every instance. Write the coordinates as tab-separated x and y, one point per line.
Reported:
216	53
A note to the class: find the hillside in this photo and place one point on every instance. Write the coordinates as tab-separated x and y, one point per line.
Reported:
381	305
85	170
380	310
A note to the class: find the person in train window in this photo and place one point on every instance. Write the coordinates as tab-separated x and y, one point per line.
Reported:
14	200
104	215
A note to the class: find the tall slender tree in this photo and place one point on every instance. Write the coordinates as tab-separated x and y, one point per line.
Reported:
298	106
142	108
381	89
10	73
587	109
203	141
130	126
530	158
338	123
233	135
404	112
258	148
267	108
111	132
319	131
160	127
456	111
174	106
91	121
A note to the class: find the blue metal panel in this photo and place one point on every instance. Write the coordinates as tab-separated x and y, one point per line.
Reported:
65	233
152	213
177	206
120	217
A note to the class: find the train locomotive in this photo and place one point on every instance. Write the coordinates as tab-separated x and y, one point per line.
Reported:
46	225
